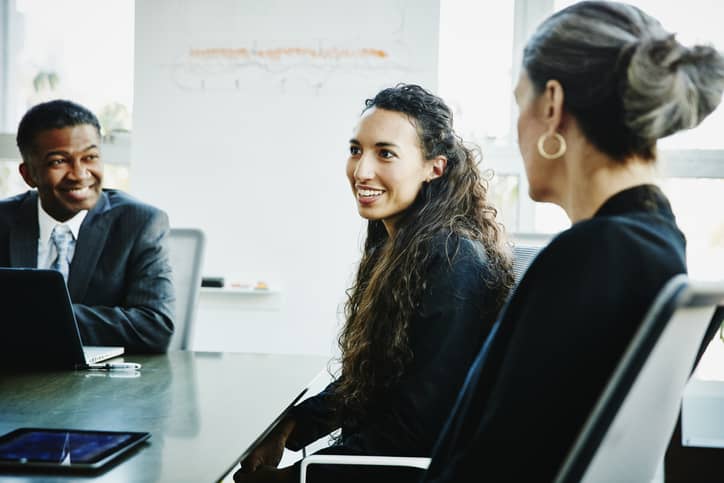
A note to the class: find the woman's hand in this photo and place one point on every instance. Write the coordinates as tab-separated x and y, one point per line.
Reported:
269	452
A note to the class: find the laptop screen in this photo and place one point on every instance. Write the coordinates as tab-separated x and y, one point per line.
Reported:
39	327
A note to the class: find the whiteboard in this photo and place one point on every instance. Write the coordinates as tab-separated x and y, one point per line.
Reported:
242	114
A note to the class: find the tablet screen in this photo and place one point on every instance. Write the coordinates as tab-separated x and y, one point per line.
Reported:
59	447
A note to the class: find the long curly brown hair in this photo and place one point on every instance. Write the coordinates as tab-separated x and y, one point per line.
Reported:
392	273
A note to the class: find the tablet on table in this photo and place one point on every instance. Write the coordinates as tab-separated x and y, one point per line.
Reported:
65	449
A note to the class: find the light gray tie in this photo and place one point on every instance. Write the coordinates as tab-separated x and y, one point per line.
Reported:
62	239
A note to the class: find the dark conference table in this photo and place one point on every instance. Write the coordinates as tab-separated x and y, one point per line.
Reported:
204	410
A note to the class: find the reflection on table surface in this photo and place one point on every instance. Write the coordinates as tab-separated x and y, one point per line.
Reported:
203	409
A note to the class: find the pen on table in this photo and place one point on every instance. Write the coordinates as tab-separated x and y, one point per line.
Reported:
114	366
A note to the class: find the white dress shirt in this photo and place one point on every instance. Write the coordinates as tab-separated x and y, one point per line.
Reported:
46	223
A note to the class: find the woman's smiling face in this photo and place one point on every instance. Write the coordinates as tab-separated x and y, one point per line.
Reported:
386	166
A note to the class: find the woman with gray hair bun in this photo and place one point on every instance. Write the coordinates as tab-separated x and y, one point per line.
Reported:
601	82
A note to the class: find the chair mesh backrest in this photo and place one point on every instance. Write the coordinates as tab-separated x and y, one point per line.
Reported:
186	249
626	434
523	256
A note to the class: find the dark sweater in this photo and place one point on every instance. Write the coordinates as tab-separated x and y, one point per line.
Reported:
456	313
557	342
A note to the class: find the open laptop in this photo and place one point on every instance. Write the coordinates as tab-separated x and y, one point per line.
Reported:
37	324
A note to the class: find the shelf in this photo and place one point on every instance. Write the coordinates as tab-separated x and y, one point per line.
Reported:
239	291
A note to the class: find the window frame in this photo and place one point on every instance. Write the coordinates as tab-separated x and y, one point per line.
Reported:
4	61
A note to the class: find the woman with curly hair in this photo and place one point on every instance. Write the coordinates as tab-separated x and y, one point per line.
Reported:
434	273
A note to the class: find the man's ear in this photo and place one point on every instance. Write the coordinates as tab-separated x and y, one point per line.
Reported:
438	167
553	114
25	172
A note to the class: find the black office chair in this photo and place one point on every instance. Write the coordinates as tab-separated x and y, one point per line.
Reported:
187	253
626	435
523	256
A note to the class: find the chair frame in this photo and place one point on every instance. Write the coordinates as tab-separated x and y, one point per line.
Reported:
189	312
585	462
334	459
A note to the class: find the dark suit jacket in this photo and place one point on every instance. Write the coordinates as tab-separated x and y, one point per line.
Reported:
558	341
120	276
456	313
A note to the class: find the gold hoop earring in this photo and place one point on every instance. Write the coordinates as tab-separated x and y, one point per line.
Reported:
561	146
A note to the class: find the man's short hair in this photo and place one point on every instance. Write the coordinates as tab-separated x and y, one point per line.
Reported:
51	115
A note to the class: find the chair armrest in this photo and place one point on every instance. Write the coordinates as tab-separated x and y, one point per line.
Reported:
335	459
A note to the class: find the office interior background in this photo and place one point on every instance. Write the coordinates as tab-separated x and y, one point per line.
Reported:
234	117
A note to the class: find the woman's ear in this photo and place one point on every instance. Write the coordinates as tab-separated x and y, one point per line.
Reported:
439	164
553	114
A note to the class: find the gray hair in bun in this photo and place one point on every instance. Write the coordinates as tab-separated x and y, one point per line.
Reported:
671	87
627	81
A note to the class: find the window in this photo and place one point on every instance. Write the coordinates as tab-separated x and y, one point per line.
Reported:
475	68
704	228
480	46
80	50
475	78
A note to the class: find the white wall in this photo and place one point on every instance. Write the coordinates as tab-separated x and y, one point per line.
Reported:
250	144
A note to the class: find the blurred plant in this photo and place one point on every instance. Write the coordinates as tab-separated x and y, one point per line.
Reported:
45	81
114	117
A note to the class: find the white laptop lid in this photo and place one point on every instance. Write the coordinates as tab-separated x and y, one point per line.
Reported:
97	353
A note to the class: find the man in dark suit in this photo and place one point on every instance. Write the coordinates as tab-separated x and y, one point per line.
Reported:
111	249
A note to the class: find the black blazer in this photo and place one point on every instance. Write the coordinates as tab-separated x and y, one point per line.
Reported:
557	342
456	313
120	276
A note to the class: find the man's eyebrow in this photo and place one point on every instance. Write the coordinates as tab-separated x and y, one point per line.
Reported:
66	153
57	151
